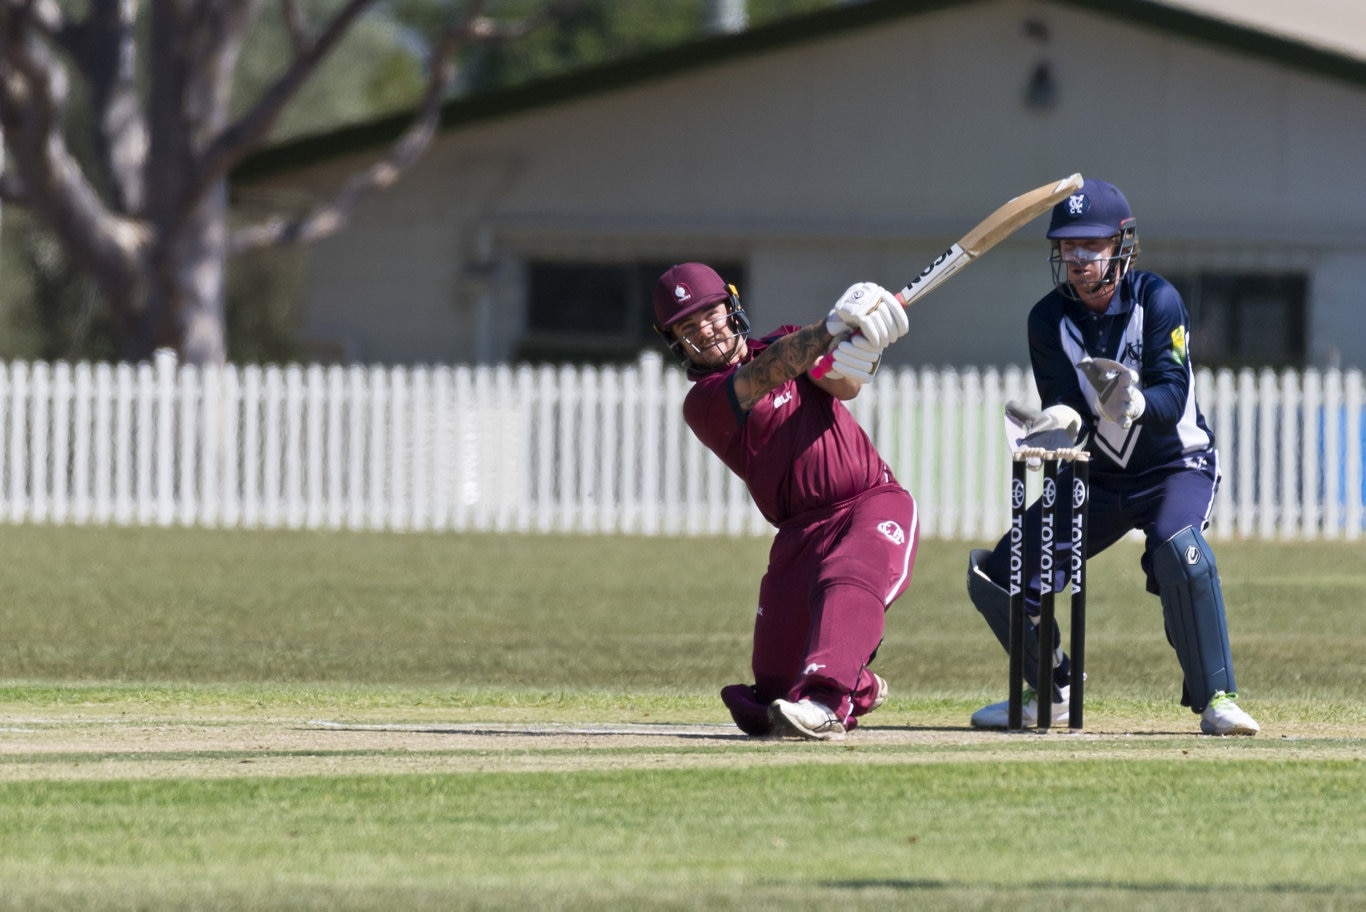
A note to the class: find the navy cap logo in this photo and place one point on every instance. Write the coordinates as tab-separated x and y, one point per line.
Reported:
1078	204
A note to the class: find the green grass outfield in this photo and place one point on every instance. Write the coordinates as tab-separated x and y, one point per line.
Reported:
194	719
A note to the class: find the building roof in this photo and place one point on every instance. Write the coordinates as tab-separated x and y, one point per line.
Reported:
1336	26
1326	38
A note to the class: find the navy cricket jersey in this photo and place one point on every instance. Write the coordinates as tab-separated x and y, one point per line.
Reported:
799	449
1147	329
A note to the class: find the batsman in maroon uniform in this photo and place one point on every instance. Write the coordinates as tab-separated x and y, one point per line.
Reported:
847	532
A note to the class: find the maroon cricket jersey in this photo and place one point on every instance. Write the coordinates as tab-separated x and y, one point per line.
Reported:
799	449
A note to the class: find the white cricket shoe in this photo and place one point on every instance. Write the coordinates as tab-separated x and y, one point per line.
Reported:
806	719
997	715
881	692
1223	717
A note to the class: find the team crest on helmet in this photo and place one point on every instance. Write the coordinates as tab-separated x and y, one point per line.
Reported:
893	532
1078	204
682	293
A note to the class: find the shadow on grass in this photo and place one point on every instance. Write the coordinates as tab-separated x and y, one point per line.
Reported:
1285	889
701	731
720	731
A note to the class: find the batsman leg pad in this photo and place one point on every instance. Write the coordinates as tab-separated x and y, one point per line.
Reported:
1193	611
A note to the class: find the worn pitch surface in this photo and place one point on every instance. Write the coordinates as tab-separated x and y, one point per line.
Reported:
193	746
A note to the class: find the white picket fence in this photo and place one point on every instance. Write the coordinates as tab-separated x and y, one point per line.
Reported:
575	449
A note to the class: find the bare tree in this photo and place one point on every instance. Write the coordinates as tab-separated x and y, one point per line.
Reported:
148	221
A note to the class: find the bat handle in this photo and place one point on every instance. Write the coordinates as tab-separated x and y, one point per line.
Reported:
826	362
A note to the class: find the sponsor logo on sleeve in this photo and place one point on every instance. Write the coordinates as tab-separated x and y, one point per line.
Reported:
893	531
1179	344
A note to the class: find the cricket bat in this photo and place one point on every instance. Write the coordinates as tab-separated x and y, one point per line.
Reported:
993	229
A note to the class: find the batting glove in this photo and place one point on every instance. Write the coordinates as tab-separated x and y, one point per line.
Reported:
870	309
856	358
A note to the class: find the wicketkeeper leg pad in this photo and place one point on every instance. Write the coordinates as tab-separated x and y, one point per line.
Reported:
1193	611
994	603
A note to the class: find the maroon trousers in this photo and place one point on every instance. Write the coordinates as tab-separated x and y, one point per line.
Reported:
830	578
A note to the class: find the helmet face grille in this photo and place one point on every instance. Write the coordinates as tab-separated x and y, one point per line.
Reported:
1120	262
737	321
1097	210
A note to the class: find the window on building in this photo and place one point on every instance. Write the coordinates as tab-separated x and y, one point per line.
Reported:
1246	320
596	312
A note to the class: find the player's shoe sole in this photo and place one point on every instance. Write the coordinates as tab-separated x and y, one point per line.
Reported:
881	692
805	719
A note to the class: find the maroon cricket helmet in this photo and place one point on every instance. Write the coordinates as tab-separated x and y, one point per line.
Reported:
684	290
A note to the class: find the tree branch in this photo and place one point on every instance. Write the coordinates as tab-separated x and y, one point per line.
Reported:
42	170
329	217
296	26
104	47
247	134
12	189
45	16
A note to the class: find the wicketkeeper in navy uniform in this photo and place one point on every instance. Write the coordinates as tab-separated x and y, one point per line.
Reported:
1110	350
847	532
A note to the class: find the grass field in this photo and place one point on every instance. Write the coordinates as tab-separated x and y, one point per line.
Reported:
193	719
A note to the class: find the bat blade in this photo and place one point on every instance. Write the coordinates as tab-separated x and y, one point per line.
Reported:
1001	224
1017	213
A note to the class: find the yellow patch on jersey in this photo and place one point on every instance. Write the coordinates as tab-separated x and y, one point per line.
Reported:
1179	344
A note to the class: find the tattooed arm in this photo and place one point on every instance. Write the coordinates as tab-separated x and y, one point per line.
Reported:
785	358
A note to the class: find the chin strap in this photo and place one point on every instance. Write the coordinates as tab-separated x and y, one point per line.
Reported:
1110	278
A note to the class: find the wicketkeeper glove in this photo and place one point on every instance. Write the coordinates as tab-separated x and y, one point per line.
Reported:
1118	396
1057	427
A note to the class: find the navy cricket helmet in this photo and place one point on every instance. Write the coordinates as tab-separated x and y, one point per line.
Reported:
1097	210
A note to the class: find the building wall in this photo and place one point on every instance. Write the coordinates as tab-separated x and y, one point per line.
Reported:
862	157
